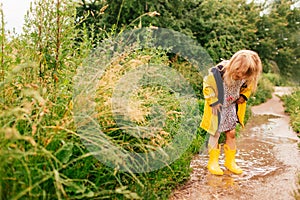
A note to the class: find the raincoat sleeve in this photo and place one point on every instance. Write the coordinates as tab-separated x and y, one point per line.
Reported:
210	90
241	111
209	121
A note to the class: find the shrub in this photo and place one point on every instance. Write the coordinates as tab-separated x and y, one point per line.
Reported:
263	92
292	106
275	79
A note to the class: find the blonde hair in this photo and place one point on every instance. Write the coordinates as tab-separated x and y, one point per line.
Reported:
247	62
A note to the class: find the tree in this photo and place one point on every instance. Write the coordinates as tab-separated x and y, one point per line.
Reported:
224	27
218	25
278	37
221	27
117	15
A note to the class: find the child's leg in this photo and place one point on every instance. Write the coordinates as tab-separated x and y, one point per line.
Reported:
230	139
213	140
214	153
230	150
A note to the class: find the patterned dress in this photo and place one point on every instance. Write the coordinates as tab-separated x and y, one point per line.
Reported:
228	113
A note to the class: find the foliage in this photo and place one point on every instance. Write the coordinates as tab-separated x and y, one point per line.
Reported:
42	154
222	29
263	92
270	29
191	74
278	38
49	31
122	14
275	79
214	25
292	106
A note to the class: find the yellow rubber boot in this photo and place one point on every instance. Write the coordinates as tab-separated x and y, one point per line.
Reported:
213	162
230	160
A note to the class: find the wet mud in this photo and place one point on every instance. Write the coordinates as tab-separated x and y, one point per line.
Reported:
268	153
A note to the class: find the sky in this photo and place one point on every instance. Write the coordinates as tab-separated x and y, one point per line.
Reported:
14	11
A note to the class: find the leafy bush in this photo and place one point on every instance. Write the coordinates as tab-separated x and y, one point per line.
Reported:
275	79
263	92
292	106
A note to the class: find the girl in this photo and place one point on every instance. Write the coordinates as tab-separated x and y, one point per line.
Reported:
226	89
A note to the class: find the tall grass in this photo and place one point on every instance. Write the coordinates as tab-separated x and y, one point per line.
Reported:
42	154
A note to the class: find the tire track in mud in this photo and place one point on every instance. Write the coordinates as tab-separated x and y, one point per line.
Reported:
267	152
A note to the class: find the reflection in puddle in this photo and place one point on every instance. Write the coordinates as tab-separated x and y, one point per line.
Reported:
220	181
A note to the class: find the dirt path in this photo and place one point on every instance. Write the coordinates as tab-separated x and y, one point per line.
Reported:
268	154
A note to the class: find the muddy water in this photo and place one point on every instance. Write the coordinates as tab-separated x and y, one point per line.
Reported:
268	154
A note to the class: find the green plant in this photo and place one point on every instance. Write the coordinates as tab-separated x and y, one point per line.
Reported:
41	152
263	92
275	79
292	107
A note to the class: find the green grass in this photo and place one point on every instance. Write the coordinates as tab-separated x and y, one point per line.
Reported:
292	107
42	156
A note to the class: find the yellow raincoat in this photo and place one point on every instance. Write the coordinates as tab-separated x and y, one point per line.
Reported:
213	94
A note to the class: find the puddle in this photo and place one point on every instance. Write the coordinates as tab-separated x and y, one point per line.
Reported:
270	129
268	154
256	161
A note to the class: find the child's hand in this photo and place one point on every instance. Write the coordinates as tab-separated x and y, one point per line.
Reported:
240	100
216	108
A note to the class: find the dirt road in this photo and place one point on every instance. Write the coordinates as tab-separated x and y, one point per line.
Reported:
268	154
